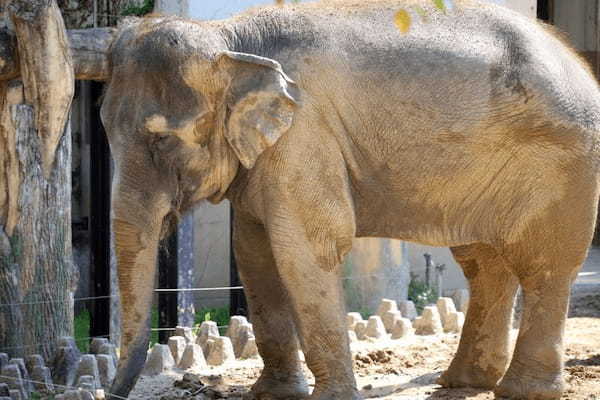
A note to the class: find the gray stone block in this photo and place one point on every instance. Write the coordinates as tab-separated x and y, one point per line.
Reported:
177	346
389	319
3	359
351	319
111	350
186	333
408	309
402	328
16	395
461	299
375	328
159	361
88	366
208	330
221	351
445	306
455	322
32	361
65	366
97	344
43	379
88	383
11	376
192	357
250	349
242	334
4	391
385	306
361	330
106	369
352	338
429	323
24	374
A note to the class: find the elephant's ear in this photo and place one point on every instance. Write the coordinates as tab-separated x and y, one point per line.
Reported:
262	101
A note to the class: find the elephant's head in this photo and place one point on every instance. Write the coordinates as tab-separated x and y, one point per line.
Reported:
182	112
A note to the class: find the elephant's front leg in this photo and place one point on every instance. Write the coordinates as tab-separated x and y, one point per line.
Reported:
270	314
308	259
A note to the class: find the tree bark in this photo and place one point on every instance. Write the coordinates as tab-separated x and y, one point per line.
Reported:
36	270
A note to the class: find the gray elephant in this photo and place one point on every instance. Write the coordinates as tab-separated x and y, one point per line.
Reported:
476	129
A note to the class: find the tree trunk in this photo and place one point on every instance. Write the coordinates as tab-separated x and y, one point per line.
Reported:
36	270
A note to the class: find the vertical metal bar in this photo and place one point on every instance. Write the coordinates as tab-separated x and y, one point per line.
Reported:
237	298
100	181
168	273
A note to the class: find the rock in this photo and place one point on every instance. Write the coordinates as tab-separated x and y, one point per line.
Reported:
32	361
242	334
455	323
88	366
250	349
106	369
77	395
208	330
11	376
177	346
408	310
429	323
461	299
352	318
43	379
445	306
389	318
68	341
97	344
361	330
16	394
24	374
385	306
186	333
65	366
352	338
111	350
402	328
159	361
88	383
192	357
234	323
221	351
375	328
4	391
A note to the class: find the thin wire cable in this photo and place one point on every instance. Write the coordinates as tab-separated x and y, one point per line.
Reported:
58	386
45	344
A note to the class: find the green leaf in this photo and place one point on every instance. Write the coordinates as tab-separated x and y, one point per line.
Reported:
440	4
421	12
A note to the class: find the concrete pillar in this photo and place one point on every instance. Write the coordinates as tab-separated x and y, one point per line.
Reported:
172	7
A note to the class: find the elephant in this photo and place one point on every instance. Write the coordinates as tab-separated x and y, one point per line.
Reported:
475	129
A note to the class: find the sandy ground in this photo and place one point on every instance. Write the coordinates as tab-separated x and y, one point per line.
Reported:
408	368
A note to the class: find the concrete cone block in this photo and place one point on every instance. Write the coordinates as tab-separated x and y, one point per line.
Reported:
375	328
65	366
402	328
32	361
352	338
107	370
11	376
243	333
43	379
361	330
385	306
250	349
177	346
186	333
68	341
461	299
3	359
389	318
16	394
221	351
352	318
455	323
159	361
429	323
208	329
408	309
88	366
192	357
445	307
97	344
234	324
24	374
87	383
110	350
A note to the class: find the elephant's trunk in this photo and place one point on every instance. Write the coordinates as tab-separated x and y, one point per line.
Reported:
137	227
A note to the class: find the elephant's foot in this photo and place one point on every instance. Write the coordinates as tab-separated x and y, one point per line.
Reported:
277	386
469	375
524	386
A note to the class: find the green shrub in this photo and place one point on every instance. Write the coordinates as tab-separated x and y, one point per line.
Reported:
138	10
420	293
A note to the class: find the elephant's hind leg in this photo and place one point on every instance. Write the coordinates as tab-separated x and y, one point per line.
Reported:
483	352
271	316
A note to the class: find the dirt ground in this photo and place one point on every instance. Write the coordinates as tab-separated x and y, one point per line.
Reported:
408	368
